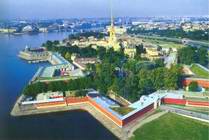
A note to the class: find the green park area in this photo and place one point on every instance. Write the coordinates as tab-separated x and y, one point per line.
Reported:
199	72
172	127
164	44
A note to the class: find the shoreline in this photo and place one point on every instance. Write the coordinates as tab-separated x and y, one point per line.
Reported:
108	124
123	133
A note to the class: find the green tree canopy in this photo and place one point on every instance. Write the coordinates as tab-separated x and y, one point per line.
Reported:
193	86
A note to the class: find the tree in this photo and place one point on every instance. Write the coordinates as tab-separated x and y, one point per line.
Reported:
104	76
56	42
159	48
52	86
68	56
173	77
187	55
131	65
193	86
191	55
49	43
145	84
101	52
145	87
202	56
126	87
140	49
157	77
116	86
90	68
34	89
159	63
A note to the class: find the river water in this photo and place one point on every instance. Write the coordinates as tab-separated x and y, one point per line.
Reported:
14	75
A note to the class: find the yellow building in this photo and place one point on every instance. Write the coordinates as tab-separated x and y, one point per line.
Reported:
130	51
152	53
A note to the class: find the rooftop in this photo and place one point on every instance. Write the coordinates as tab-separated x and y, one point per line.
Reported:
49	95
59	59
144	101
50	70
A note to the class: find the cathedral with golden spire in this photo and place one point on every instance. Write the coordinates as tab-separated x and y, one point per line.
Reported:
112	41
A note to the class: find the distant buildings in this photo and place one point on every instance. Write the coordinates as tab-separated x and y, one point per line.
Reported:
43	30
152	52
99	25
8	30
130	51
186	26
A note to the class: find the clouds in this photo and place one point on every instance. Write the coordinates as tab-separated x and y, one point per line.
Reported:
100	8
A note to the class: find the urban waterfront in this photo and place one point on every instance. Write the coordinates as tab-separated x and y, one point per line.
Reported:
14	75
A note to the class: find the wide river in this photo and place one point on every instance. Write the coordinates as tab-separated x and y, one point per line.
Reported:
14	75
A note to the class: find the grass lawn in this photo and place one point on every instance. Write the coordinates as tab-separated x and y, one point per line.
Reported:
172	127
164	44
199	71
122	110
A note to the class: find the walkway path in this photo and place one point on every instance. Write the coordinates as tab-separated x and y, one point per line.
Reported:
191	114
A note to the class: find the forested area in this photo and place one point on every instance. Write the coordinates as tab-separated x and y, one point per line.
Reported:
129	78
190	55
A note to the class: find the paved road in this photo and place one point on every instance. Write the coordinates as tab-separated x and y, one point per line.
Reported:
185	112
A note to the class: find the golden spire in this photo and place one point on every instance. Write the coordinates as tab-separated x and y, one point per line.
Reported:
112	20
112	38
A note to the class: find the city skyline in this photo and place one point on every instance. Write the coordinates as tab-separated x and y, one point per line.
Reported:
46	9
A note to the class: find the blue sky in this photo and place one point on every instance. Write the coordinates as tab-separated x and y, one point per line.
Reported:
47	9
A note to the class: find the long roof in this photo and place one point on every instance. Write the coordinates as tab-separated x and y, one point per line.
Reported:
138	105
